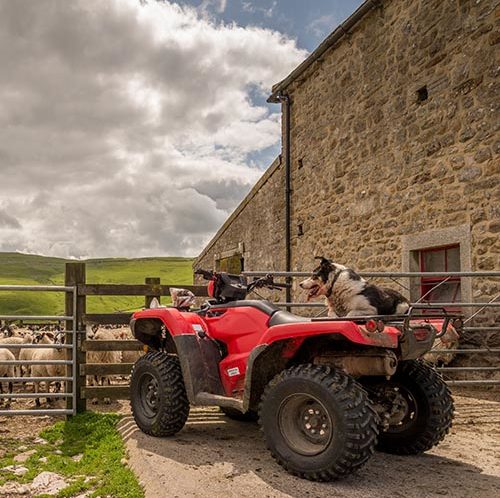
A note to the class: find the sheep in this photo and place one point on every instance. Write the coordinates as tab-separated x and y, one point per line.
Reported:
12	330
125	334
48	370
26	354
95	334
448	341
6	371
27	339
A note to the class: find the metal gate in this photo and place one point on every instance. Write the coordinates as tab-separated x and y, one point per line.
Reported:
476	309
69	344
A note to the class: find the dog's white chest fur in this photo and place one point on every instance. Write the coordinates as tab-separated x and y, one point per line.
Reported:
345	296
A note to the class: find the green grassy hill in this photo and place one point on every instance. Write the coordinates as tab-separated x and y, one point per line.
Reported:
19	269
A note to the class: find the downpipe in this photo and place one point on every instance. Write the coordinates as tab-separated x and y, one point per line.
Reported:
285	100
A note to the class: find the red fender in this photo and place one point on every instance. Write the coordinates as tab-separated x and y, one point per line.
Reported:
350	330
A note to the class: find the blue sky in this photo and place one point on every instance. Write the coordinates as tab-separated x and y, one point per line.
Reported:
308	21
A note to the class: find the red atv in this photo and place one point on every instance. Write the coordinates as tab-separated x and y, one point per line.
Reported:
327	391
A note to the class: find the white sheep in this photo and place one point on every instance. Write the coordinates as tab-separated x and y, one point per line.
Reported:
125	334
95	334
449	341
4	342
6	371
48	370
26	354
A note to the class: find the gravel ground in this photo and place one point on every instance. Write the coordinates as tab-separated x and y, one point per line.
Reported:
214	456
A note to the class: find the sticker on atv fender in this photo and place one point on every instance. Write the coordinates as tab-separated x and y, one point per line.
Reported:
233	371
197	327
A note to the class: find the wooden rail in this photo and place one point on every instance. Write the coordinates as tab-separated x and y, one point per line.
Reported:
107	319
106	368
136	289
152	288
116	345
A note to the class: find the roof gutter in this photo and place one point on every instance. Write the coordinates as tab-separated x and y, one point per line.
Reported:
341	31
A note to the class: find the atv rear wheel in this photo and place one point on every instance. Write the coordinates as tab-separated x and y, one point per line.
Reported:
158	396
318	422
424	409
232	413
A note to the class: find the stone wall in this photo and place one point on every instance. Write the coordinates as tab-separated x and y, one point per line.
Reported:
394	134
371	163
256	228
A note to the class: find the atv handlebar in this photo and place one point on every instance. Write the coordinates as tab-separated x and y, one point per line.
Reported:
267	282
206	274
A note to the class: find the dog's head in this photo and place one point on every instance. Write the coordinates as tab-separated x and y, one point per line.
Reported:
320	282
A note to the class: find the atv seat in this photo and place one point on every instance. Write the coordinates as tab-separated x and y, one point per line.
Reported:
284	317
277	316
265	306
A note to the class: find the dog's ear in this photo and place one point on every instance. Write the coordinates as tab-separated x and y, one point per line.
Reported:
323	261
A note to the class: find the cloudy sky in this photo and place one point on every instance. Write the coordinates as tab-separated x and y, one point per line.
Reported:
133	128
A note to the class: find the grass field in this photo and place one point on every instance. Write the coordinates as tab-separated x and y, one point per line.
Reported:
86	450
19	269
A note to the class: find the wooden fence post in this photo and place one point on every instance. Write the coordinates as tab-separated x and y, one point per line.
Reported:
74	276
156	291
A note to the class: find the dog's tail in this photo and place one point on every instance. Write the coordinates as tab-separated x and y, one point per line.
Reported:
402	308
401	305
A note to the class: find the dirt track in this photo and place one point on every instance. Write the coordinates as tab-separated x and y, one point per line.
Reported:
214	456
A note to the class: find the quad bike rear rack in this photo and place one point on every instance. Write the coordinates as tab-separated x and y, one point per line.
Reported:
404	321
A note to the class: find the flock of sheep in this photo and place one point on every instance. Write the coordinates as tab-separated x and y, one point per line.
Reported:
11	335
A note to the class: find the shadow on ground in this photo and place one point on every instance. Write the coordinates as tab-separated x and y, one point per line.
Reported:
218	455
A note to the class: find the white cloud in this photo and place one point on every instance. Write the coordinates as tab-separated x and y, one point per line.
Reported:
218	5
127	128
323	25
254	9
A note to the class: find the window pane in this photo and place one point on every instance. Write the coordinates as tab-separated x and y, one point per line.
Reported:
453	258
434	260
233	264
445	293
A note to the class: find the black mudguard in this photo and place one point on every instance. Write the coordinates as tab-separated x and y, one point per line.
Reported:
199	357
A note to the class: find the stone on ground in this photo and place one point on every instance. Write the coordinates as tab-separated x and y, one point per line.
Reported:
48	483
18	470
22	457
14	488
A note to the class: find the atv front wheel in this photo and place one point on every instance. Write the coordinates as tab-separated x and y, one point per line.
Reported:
318	422
421	410
158	396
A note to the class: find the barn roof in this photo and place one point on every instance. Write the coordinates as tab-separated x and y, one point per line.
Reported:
327	43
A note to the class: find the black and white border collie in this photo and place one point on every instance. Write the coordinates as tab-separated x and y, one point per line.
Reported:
348	294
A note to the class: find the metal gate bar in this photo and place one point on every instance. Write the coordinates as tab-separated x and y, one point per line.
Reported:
382	274
492	304
36	379
71	395
38	346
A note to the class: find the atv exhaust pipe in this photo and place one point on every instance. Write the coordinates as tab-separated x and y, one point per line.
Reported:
359	364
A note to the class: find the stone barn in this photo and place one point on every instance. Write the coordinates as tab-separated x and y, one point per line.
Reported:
390	152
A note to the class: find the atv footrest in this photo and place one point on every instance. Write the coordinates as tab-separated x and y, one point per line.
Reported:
208	399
